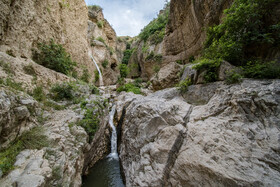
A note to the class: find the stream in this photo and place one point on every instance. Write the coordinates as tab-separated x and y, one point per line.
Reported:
106	172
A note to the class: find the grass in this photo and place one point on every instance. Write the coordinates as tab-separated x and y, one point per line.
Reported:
7	67
96	76
99	38
39	94
33	139
12	84
100	24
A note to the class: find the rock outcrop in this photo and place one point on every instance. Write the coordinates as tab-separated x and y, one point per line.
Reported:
228	136
185	31
25	23
106	48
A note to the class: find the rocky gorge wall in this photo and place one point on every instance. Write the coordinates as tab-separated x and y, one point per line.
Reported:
25	23
186	29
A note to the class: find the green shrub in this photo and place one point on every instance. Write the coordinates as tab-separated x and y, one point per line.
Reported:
128	45
211	68
95	7
261	70
63	91
74	74
233	77
85	76
105	63
156	28
111	50
124	70
180	62
120	81
100	24
38	93
156	68
158	58
150	56
33	139
158	36
130	87
54	56
244	26
91	119
191	59
137	82
184	85
145	48
94	89
120	39
99	38
126	56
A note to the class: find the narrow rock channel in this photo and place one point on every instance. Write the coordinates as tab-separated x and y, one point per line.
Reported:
106	172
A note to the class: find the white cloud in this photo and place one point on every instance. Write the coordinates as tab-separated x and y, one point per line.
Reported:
128	17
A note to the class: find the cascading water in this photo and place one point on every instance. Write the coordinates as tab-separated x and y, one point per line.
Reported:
107	173
114	153
97	67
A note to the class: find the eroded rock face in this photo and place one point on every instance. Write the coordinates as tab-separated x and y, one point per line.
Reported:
25	23
185	32
229	139
16	115
111	50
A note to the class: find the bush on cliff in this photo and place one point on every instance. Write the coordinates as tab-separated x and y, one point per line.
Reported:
54	56
156	28
245	33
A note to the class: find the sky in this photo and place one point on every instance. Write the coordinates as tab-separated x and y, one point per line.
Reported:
128	17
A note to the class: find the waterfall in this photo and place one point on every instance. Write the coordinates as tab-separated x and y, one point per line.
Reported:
100	74
114	153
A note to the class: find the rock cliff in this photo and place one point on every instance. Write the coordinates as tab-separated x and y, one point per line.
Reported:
185	31
25	23
212	135
106	48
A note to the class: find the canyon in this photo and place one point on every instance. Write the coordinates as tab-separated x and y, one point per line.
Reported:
55	127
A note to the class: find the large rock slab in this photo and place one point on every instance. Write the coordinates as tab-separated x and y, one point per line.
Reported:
231	139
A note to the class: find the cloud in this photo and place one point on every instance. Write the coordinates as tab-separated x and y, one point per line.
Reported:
128	17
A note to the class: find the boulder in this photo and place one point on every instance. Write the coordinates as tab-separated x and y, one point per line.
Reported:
166	77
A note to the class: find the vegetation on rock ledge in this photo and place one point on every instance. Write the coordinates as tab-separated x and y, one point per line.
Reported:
246	32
